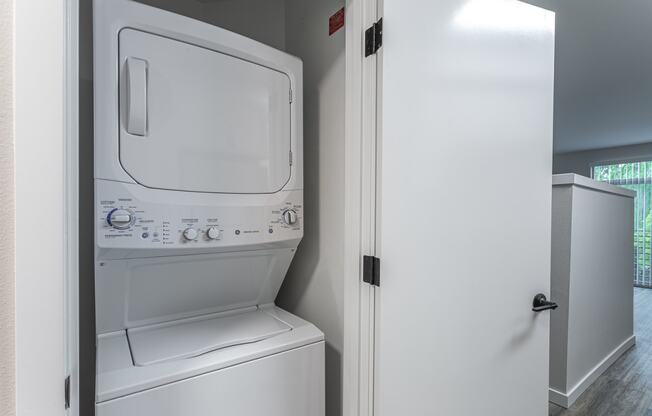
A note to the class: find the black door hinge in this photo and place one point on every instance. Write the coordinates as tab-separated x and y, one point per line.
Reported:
371	270
373	38
66	392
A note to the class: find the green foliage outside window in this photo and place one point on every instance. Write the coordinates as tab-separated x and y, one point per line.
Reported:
636	176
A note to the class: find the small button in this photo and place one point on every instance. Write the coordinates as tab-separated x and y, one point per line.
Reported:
145	235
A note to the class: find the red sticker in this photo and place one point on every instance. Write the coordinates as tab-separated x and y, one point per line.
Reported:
336	22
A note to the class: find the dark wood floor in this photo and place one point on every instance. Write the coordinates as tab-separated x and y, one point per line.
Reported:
625	389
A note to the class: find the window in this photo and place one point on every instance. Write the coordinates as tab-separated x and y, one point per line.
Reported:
636	176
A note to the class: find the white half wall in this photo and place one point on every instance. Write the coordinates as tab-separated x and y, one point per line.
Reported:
7	271
591	280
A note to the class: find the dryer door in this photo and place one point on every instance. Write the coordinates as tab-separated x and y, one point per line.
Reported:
193	119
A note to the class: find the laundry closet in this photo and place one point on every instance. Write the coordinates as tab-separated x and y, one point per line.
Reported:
310	207
312	286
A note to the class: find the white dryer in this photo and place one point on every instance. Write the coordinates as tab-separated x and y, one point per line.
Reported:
199	211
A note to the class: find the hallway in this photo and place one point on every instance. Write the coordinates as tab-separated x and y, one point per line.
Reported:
625	389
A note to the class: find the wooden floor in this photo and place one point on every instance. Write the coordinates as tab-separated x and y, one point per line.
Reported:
625	389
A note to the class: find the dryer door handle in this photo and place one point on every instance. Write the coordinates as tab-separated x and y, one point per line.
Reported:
136	100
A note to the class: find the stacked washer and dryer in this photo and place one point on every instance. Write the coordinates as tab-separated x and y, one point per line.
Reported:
199	211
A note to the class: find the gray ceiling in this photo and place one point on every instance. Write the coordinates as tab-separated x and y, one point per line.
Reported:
603	93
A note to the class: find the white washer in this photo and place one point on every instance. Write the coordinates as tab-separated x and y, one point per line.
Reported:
199	211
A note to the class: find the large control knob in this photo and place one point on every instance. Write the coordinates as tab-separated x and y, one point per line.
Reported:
190	234
120	219
213	233
290	216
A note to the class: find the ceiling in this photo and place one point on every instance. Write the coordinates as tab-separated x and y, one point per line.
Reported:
603	92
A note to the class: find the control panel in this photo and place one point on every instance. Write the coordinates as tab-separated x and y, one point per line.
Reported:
126	221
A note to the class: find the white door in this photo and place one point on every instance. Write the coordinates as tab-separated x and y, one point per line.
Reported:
464	191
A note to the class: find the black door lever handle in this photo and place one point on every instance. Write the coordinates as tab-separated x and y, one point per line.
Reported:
541	303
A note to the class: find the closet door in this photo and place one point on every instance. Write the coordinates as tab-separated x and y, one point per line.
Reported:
464	207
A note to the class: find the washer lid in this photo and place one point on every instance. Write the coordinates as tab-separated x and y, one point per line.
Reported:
192	337
117	376
193	119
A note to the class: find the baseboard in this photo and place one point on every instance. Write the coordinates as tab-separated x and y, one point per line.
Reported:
558	398
566	400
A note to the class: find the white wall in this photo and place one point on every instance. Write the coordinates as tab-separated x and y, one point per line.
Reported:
592	282
601	290
7	328
562	205
262	20
39	169
580	162
313	288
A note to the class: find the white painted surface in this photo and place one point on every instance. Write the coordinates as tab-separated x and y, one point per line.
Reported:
314	287
7	214
72	223
567	399
603	82
467	100
358	141
289	383
262	20
39	137
368	164
582	162
559	284
591	281
588	183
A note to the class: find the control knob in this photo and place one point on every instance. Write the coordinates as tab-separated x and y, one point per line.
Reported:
213	233
290	216
190	234
120	219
